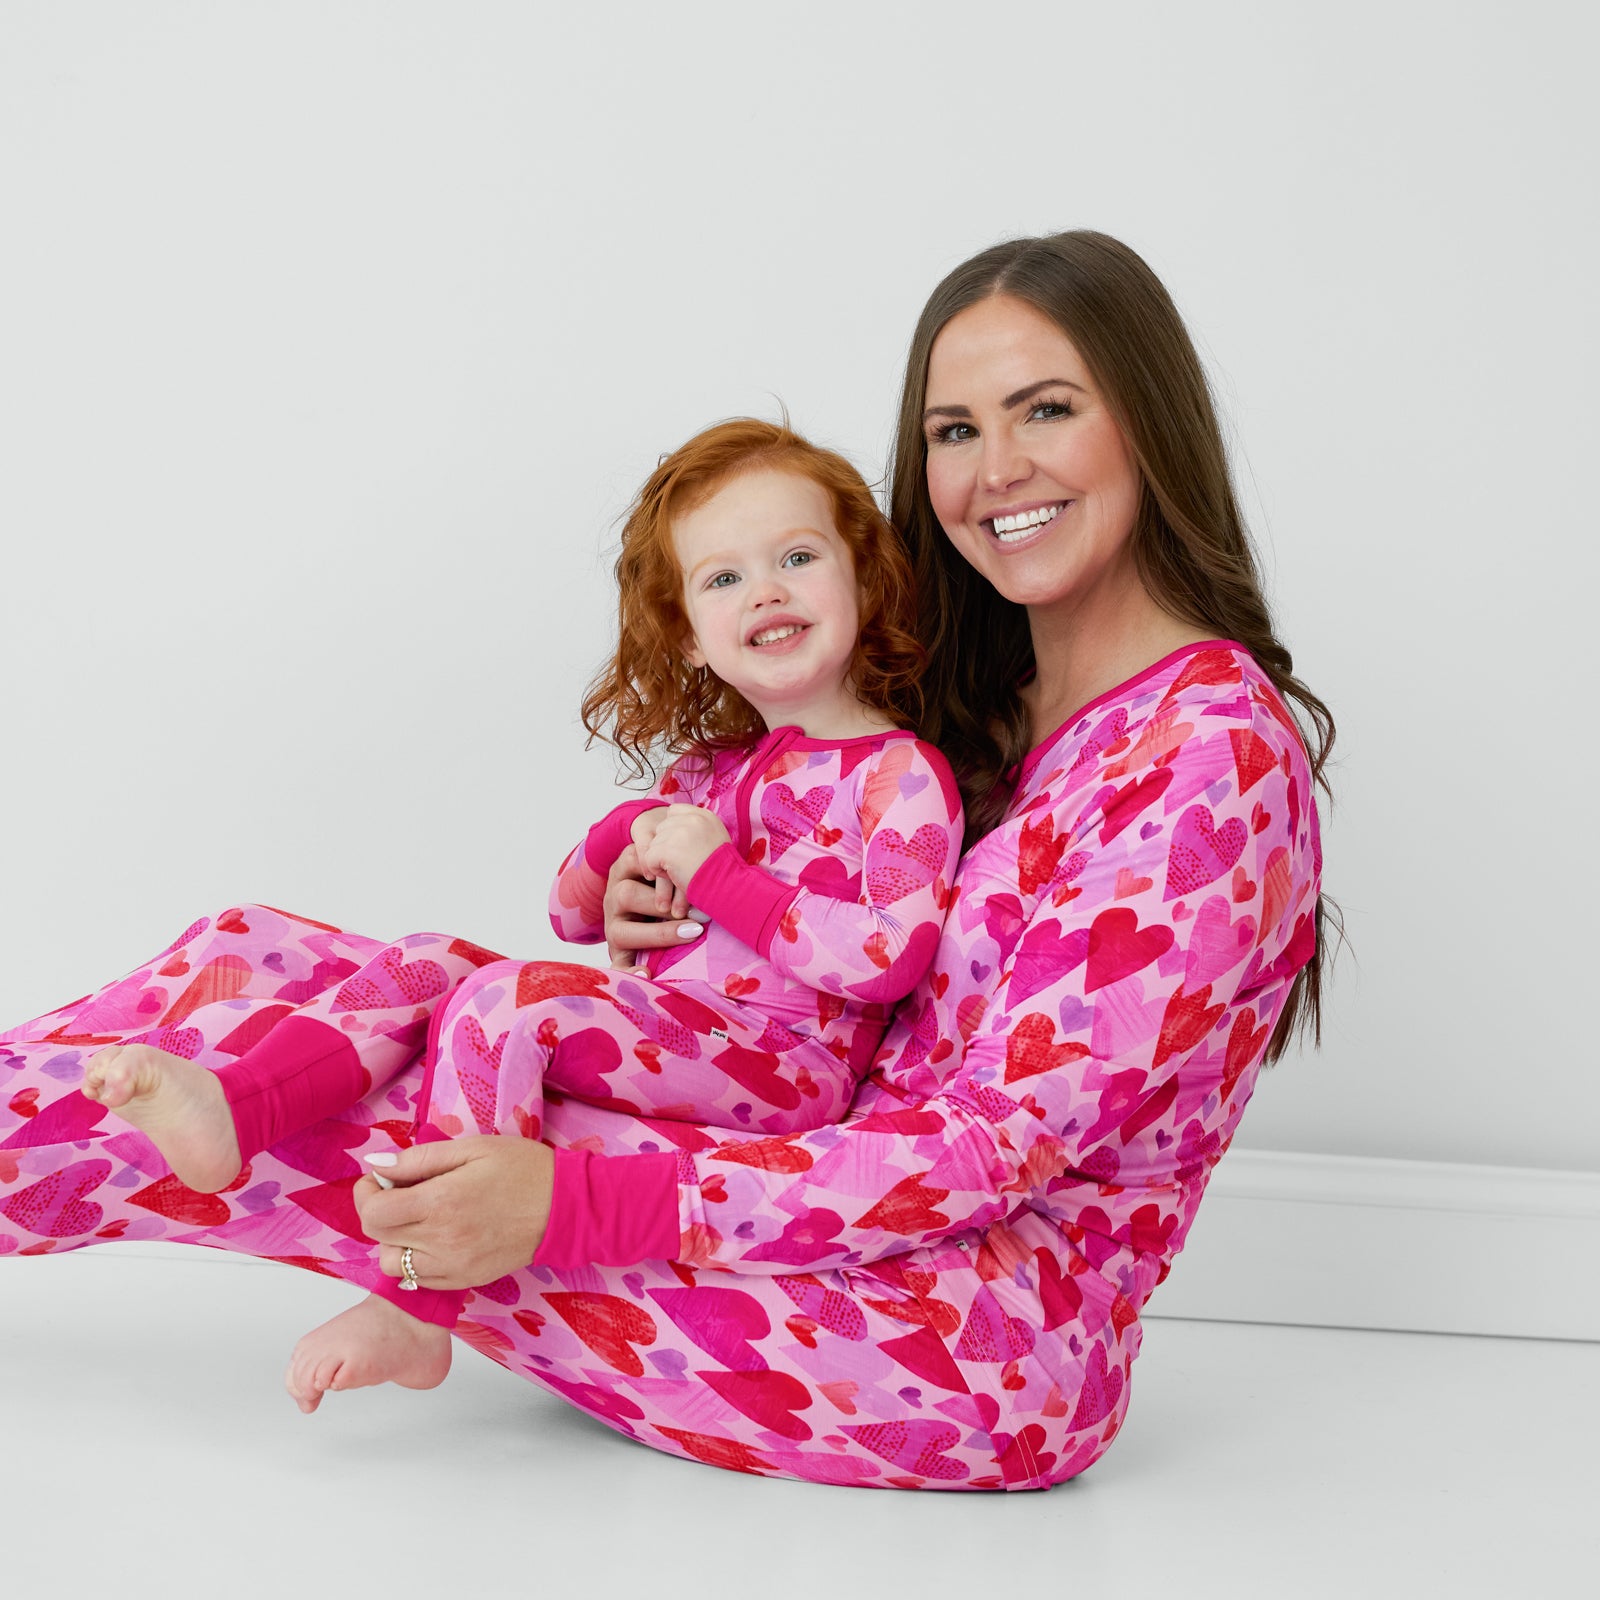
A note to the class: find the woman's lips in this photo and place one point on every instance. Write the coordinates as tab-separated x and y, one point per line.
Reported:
1021	538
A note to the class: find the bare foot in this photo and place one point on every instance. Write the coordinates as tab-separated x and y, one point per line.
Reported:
374	1342
179	1105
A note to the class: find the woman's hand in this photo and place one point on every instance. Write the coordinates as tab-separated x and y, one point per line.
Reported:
632	921
470	1209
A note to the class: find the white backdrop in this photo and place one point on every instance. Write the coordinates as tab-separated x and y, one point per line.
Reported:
336	337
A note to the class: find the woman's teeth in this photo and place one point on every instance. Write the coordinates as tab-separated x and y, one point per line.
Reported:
1009	529
773	635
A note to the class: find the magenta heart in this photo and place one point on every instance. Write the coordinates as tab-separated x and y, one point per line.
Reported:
897	866
990	1335
787	818
54	1208
722	1322
1099	1394
1119	947
1045	956
1201	851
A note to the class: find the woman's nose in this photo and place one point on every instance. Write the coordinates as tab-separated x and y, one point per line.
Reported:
1004	463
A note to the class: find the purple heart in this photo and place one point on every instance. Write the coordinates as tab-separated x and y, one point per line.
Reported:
66	1068
1217	790
980	971
273	959
1150	830
260	1196
1073	1014
633	1282
913	783
1163	1139
669	1363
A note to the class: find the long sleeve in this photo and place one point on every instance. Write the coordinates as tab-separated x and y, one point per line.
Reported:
1145	916
576	897
868	934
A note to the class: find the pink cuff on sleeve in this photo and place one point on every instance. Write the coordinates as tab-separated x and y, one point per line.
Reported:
746	901
611	1211
613	833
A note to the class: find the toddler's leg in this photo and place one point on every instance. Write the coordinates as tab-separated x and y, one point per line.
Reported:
302	1064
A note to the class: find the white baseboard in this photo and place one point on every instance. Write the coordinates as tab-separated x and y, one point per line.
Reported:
1430	1246
1354	1242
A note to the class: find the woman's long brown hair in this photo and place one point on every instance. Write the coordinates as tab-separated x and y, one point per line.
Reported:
1192	551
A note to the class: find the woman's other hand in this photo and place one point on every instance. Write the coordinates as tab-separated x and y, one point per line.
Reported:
471	1210
632	920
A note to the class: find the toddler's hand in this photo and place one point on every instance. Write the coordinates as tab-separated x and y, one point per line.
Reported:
670	900
683	839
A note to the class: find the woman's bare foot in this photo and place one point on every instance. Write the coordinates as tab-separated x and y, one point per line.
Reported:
178	1105
374	1342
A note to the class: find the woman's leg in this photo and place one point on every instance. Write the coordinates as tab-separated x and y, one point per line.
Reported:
930	1370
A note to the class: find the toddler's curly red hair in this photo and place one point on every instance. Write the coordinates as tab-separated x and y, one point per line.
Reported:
648	695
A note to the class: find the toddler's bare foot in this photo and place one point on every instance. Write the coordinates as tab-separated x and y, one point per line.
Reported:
374	1342
179	1105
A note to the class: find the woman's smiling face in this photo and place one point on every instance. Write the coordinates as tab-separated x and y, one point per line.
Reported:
1028	472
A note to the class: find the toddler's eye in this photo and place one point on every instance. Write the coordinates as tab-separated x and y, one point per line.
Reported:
798	558
722	580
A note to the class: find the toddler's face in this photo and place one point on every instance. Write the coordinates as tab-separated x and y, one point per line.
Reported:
770	592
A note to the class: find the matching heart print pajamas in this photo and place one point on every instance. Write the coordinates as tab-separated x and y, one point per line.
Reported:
942	1290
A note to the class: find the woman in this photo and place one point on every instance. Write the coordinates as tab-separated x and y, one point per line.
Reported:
944	1290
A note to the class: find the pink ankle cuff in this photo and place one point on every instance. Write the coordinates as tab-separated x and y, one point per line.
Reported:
300	1073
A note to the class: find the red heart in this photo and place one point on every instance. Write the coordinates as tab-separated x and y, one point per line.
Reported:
1253	757
232	922
1243	886
1119	947
736	985
25	1102
608	1325
175	968
1030	1050
176	1200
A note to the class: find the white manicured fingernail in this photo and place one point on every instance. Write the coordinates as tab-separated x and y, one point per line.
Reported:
384	1158
383	1182
689	930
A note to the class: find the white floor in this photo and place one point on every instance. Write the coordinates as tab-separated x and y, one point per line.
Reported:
148	1449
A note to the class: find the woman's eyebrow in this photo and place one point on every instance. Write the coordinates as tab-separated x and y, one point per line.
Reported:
1011	401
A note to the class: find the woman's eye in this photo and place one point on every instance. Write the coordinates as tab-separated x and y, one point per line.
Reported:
1050	410
953	433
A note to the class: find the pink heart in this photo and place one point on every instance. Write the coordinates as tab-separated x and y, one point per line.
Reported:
897	867
1217	944
1201	851
787	819
392	981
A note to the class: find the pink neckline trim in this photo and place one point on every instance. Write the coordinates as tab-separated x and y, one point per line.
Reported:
1119	692
804	741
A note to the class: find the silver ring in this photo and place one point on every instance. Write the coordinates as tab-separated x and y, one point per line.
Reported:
408	1278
